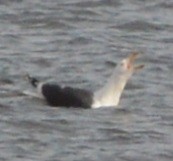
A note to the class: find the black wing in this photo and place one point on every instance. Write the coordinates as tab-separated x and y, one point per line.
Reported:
67	96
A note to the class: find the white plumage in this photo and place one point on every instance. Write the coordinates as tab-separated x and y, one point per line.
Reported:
110	93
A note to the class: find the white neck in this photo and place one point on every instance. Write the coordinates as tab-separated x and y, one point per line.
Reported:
109	95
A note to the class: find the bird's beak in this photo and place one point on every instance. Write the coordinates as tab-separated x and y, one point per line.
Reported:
131	61
132	57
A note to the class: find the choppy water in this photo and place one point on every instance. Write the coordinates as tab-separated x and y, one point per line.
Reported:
76	42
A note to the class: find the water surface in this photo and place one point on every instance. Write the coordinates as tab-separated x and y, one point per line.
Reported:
77	43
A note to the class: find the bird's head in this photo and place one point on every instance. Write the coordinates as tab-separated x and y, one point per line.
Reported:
127	65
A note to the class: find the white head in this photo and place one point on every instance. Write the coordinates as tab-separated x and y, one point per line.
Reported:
127	66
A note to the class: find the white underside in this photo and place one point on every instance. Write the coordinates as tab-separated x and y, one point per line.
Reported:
32	94
99	105
106	101
37	94
110	94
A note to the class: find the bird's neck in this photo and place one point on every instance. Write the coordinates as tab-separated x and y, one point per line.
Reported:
110	93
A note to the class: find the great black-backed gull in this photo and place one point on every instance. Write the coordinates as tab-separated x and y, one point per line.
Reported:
107	96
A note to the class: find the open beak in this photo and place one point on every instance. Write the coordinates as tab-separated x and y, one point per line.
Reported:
131	61
132	57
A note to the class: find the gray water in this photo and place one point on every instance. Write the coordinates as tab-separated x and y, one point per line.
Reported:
77	43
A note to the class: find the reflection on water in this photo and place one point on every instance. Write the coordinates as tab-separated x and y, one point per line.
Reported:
78	43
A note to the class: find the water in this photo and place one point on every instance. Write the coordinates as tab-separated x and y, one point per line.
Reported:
77	42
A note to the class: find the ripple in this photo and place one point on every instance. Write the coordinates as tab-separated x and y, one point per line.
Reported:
167	40
167	5
10	1
97	3
139	26
80	41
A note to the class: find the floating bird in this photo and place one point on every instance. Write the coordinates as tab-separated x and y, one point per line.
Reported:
107	96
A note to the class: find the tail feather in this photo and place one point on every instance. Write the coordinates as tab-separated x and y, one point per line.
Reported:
33	81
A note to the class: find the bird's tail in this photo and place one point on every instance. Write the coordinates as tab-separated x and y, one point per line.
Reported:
33	81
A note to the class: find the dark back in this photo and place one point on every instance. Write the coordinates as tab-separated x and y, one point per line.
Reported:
67	96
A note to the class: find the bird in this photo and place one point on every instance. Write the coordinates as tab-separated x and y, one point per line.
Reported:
106	96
